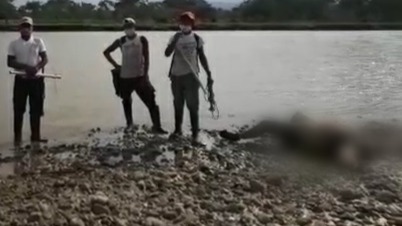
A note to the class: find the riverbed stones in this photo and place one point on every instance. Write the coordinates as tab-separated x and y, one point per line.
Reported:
76	221
257	189
152	221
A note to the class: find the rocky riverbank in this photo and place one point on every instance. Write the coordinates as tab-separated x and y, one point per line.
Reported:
117	178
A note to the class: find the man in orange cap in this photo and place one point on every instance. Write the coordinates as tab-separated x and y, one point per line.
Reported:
186	47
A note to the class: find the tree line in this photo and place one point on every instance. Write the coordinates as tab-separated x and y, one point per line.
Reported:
252	11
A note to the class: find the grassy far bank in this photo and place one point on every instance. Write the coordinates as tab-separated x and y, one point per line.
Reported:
210	26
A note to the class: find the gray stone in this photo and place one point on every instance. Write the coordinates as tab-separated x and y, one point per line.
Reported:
152	221
77	222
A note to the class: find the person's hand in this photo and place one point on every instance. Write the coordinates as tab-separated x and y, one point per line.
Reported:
31	71
117	67
176	37
210	81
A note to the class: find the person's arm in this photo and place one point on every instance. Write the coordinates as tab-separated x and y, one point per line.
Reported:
172	44
43	56
204	62
12	62
111	49
145	53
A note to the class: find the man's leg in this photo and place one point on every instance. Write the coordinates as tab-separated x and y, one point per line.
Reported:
36	107
19	101
191	95
178	101
146	93
127	87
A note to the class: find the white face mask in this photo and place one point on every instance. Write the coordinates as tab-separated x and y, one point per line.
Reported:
130	31
185	28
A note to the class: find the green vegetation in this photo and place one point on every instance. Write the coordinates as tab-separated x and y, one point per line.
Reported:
251	14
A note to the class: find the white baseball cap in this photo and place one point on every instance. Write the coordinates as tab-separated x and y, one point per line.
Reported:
26	20
129	21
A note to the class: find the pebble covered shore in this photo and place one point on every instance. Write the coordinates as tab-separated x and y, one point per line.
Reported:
129	179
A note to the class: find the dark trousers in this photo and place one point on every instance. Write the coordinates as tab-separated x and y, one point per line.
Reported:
146	92
34	90
185	90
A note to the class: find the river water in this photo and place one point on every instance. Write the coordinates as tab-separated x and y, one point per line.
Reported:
345	74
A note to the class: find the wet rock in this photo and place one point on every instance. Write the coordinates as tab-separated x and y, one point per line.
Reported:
275	180
99	198
34	217
381	222
349	194
138	175
47	212
76	221
248	218
152	221
395	221
386	196
169	214
120	222
347	216
85	187
305	220
318	223
256	186
236	208
99	209
263	218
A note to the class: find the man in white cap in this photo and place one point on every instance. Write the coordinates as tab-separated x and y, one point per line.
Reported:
28	54
133	73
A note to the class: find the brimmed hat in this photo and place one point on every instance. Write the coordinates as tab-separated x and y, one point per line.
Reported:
189	15
26	20
128	21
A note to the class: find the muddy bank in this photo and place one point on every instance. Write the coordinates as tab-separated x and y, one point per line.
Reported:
117	178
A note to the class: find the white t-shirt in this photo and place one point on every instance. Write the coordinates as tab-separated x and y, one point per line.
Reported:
27	52
186	47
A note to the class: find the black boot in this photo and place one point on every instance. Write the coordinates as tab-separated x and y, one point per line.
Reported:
128	113
156	121
18	122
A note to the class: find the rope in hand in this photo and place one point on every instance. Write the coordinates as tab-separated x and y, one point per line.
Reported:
209	95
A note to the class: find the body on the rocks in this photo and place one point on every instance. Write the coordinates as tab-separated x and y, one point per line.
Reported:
27	54
187	48
326	139
133	73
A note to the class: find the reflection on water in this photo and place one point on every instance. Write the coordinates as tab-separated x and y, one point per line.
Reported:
256	73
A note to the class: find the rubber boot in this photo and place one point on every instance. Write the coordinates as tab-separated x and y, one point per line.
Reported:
128	113
18	122
156	121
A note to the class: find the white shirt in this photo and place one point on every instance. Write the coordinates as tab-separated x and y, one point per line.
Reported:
27	52
186	55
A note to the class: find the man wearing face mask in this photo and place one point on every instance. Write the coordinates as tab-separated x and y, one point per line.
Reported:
27	54
133	73
186	47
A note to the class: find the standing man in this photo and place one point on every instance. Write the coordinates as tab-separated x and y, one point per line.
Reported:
186	47
28	54
133	73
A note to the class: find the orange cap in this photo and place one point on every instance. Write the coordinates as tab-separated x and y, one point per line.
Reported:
188	14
